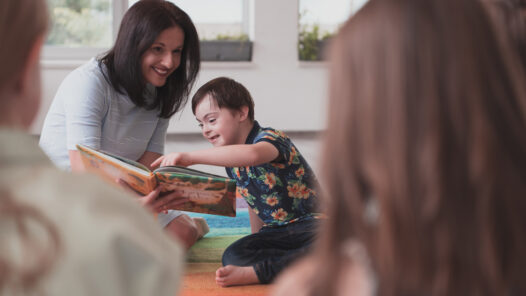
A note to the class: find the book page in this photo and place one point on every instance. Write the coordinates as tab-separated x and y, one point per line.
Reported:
185	170
113	168
206	193
127	163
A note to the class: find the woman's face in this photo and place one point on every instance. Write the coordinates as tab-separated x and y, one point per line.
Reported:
163	56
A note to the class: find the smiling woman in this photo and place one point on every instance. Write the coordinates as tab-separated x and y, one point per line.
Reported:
163	57
121	102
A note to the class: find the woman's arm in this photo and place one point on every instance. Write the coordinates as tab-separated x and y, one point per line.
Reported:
75	161
83	98
227	156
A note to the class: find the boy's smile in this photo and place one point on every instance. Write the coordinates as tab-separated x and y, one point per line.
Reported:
220	126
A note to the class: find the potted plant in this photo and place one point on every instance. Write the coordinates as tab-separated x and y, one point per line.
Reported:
311	44
227	48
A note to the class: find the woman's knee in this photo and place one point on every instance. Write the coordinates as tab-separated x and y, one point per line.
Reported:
184	229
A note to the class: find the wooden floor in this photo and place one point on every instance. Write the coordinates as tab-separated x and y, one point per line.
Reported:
199	280
204	258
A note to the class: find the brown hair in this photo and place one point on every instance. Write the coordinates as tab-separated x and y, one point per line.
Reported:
22	22
140	26
227	93
510	18
424	159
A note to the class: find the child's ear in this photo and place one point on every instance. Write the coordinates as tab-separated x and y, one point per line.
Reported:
243	113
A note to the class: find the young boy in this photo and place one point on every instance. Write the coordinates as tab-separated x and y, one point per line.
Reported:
271	174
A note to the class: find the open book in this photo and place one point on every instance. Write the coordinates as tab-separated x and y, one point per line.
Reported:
207	193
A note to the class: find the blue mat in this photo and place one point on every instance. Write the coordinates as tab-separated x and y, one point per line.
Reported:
226	226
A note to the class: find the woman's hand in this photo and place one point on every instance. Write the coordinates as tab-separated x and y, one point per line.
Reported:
156	201
170	200
177	158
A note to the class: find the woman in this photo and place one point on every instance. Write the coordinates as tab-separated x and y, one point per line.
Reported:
122	102
98	243
424	158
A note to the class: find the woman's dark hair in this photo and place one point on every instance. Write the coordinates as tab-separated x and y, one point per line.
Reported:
139	29
227	93
424	160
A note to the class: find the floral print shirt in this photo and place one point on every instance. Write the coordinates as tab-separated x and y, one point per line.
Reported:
282	191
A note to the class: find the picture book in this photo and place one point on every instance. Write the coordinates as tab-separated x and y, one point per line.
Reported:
207	193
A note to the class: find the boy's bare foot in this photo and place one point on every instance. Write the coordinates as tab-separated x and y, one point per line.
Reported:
232	275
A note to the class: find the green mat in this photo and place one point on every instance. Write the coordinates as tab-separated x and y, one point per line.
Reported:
210	249
223	232
226	226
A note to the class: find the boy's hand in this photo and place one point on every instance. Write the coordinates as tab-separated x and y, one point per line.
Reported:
181	159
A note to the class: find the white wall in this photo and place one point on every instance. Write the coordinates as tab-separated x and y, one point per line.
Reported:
289	95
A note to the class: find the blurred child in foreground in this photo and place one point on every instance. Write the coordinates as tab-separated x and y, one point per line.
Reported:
424	158
102	242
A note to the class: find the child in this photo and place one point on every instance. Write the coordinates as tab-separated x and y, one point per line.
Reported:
61	233
424	158
271	174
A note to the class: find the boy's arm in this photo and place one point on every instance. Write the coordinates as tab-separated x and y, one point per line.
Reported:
227	156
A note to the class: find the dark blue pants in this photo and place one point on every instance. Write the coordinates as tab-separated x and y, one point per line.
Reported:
272	249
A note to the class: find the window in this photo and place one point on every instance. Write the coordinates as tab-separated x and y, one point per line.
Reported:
223	28
216	19
318	21
77	23
81	29
85	28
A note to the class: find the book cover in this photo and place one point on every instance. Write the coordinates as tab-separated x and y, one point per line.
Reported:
207	193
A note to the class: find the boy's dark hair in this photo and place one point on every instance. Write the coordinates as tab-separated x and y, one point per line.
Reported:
228	93
141	25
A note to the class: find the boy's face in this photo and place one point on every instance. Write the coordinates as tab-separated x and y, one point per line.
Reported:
220	126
